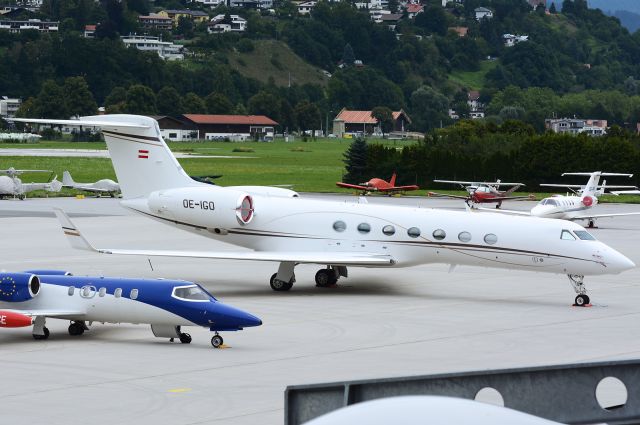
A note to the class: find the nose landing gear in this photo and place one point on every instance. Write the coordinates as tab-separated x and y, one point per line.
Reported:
582	299
217	341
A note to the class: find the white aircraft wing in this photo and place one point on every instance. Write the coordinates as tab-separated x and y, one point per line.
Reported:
502	211
362	259
572	186
626	192
592	216
47	312
90	189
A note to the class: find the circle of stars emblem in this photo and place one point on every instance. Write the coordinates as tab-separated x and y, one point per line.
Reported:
8	287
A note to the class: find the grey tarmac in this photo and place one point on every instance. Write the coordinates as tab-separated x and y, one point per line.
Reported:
376	323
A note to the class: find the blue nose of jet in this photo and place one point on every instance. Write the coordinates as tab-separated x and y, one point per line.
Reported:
226	318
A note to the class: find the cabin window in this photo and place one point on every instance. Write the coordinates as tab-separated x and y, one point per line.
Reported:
388	230
190	293
464	236
102	292
88	291
364	228
567	236
490	238
439	234
584	235
134	294
339	226
71	290
117	293
413	232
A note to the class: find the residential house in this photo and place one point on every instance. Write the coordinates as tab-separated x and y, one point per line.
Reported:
362	122
536	3
156	22
31	24
511	40
368	4
221	24
414	9
461	31
175	15
164	49
252	4
576	126
9	106
90	31
391	20
376	14
476	108
446	2
483	13
305	7
211	3
233	127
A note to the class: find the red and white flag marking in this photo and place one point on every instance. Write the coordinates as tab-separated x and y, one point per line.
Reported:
142	153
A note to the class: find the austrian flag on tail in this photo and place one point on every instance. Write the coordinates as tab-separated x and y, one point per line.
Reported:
142	153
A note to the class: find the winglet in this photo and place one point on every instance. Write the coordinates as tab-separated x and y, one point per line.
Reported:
74	236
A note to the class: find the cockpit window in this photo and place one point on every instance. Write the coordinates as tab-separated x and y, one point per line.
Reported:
552	202
584	235
567	236
191	293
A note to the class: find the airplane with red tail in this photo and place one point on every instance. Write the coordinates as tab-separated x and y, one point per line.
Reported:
485	192
379	185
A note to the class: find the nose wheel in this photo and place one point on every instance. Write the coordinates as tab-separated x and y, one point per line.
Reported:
582	299
217	341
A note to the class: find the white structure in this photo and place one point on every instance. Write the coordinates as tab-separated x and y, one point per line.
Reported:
219	24
371	4
445	2
306	7
577	126
211	3
9	107
164	49
376	14
31	24
511	40
482	13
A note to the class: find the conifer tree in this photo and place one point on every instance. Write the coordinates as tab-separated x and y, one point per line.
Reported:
355	160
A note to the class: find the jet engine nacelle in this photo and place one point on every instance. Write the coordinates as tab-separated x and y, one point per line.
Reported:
209	207
18	287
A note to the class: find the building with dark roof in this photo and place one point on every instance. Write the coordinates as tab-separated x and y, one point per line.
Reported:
233	127
362	122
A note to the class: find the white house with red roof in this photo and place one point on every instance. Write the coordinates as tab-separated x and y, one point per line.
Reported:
414	9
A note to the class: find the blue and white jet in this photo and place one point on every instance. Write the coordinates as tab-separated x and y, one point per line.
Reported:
30	297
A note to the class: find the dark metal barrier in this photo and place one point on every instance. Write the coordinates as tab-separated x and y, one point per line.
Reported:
563	393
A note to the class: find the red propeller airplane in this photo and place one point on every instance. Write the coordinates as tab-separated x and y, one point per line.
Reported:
379	185
485	192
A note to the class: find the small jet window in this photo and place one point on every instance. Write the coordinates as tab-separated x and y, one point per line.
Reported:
414	232
364	228
117	293
584	235
490	238
439	234
102	292
567	236
339	226
464	236
388	230
71	290
191	293
134	294
88	291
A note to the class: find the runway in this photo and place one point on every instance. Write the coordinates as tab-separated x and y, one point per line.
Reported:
376	323
91	153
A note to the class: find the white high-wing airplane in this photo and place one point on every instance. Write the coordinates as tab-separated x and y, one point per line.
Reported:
30	297
12	186
574	207
104	186
279	226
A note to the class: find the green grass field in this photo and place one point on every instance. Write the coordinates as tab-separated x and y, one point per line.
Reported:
473	80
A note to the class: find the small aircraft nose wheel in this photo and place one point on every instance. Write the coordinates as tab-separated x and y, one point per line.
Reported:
216	341
45	336
582	300
185	338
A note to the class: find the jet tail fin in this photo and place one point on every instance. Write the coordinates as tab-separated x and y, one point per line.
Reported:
72	233
392	182
67	180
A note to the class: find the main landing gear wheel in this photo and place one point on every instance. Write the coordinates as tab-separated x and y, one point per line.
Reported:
76	329
40	337
217	341
280	285
326	277
582	300
185	338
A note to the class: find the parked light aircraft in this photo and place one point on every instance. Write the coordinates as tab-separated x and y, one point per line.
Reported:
379	185
482	193
279	226
30	297
575	207
104	186
12	186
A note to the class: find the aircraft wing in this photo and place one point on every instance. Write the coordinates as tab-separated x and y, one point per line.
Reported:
90	189
502	211
354	186
444	195
399	188
626	192
455	182
510	198
571	186
343	258
592	216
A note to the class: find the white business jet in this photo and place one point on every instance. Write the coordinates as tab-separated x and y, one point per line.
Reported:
12	186
104	186
279	226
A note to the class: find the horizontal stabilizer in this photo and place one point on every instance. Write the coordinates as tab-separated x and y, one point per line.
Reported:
86	122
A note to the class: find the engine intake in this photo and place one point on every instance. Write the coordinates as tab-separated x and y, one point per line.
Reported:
18	287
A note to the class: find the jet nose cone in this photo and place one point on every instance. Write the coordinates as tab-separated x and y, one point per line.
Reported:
619	262
228	318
